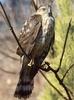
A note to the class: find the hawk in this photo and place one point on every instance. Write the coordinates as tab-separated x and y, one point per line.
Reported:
36	38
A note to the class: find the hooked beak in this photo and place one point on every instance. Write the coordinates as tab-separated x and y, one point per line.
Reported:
36	14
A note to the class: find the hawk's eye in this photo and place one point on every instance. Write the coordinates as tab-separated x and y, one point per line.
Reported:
44	9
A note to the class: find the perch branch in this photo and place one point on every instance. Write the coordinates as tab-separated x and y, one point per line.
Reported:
60	81
52	85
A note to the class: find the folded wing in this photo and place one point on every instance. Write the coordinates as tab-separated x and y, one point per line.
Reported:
28	34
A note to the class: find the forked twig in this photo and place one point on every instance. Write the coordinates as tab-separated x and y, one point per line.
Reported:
60	81
52	85
67	71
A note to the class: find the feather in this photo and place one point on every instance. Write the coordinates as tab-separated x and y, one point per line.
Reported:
28	34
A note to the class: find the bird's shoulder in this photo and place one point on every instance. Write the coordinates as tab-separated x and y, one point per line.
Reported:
51	19
29	27
29	33
51	22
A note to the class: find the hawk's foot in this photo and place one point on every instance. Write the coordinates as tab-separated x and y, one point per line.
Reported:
45	67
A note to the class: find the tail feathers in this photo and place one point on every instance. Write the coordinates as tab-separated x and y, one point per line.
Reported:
25	85
24	90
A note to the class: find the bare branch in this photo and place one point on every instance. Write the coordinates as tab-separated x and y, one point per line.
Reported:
67	71
3	16
11	28
69	26
60	81
70	92
34	4
52	85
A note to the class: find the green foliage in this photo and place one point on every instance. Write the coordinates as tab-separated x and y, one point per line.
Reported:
65	6
62	21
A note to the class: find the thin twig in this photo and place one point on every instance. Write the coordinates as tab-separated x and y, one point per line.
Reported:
64	45
60	81
11	28
70	92
67	71
35	6
63	85
52	85
3	16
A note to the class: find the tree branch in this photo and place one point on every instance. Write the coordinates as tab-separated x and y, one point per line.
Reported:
34	4
70	92
11	28
69	26
67	71
52	85
60	81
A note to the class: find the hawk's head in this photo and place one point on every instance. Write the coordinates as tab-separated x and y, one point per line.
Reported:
43	10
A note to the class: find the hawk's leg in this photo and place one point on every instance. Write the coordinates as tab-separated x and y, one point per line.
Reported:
38	62
34	71
45	67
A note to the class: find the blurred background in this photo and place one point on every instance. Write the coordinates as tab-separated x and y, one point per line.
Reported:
18	11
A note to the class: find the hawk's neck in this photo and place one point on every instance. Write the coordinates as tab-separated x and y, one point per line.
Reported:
45	23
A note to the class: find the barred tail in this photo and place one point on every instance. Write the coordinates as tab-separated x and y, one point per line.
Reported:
25	85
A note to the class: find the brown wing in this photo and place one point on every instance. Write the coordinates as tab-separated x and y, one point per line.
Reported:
28	34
